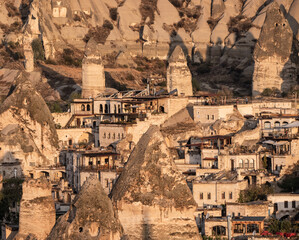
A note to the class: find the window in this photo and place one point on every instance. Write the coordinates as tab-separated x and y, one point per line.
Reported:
201	196
208	117
118	136
252	227
284	123
212	117
118	108
277	124
238	228
223	195
114	108
246	164
106	160
104	135
106	108
286	204
88	107
113	136
267	125
108	136
209	195
219	231
90	162
251	163
293	204
82	107
101	108
230	195
240	163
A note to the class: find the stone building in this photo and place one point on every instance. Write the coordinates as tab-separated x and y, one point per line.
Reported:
178	74
91	216
274	66
253	209
93	76
37	199
152	198
286	205
218	188
59	9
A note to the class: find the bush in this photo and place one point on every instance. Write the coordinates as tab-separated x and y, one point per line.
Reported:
55	107
69	59
113	13
11	9
254	193
38	49
271	92
107	24
176	3
99	34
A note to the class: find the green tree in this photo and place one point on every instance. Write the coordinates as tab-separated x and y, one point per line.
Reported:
38	49
255	193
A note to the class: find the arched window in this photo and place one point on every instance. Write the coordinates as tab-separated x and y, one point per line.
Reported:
267	125
101	108
104	135
219	231
82	107
114	108
240	163
284	123
251	163
277	124
118	108
106	108
246	164
88	107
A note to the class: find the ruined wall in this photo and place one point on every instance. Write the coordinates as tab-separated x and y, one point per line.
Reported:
37	209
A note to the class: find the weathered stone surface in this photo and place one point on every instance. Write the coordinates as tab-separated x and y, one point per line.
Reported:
293	17
37	210
218	8
93	76
26	108
91	216
273	66
178	74
152	199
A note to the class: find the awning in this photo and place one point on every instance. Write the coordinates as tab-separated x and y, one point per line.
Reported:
269	142
291	125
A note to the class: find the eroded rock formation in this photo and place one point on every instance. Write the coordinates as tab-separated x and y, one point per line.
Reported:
152	199
93	76
178	74
27	128
273	64
91	216
37	199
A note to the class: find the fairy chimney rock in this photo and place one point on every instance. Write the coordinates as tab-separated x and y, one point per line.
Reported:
152	198
274	67
37	209
93	76
178	73
91	216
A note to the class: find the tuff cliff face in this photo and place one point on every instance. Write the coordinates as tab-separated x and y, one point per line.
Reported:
273	64
91	216
26	118
152	199
37	198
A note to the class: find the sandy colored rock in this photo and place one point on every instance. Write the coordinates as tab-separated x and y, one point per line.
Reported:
91	216
293	17
93	76
272	54
152	199
178	73
37	210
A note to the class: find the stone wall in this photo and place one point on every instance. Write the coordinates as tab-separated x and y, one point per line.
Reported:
252	209
37	209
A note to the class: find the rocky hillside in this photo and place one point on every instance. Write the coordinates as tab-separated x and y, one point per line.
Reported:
218	35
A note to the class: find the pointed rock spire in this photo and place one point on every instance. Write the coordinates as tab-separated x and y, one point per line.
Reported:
91	216
152	197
